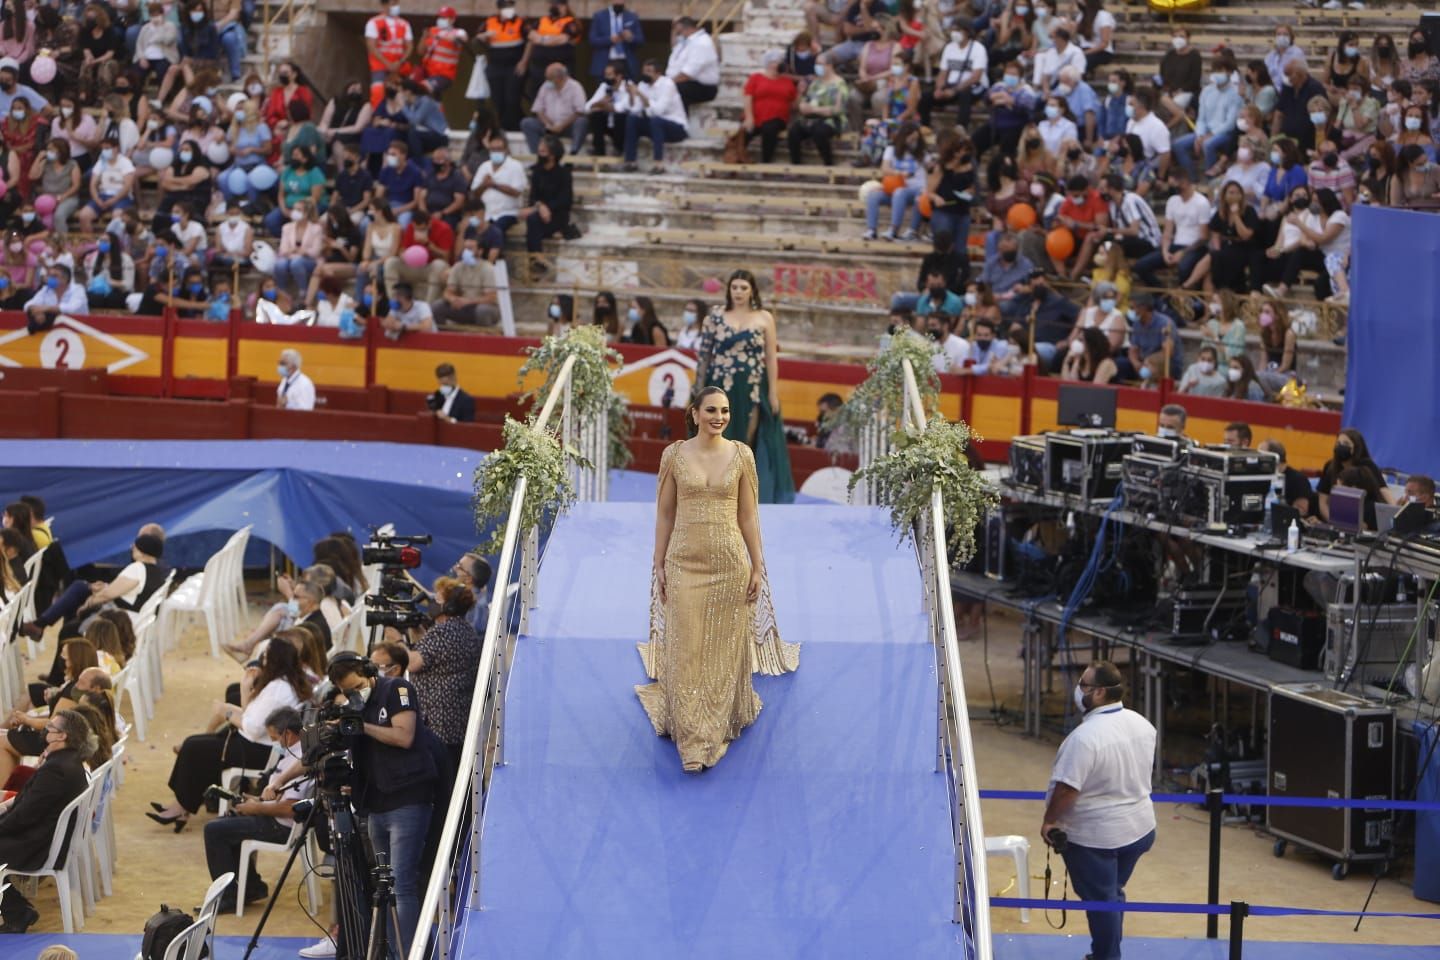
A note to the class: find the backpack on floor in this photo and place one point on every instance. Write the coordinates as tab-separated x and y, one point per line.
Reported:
161	929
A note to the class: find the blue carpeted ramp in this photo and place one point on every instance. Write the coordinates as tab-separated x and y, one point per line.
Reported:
824	832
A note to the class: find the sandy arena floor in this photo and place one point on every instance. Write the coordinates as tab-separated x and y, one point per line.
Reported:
158	866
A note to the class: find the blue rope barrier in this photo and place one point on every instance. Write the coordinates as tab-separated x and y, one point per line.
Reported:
1132	906
1256	800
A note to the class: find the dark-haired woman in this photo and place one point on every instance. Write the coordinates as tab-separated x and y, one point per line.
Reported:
26	734
110	274
1350	453
552	193
644	326
279	681
711	622
739	353
443	664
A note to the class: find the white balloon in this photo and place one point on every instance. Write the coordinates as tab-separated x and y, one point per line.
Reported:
262	257
218	154
161	157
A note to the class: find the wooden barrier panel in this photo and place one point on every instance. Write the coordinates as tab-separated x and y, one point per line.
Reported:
367	381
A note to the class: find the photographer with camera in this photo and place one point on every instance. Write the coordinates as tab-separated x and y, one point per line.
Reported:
443	664
398	762
268	821
1098	814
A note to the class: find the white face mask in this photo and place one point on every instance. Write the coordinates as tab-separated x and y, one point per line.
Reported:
1168	432
1178	42
255	89
1219	79
1242	125
1281	41
1077	347
443	23
1412	123
67	112
1207	366
1214	309
1234	374
1079	698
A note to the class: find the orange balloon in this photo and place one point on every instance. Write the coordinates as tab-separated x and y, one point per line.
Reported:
1060	243
892	182
926	207
1020	216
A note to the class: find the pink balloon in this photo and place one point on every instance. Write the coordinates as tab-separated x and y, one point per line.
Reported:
45	204
415	256
42	70
711	285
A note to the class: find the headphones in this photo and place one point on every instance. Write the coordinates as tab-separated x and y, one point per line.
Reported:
366	666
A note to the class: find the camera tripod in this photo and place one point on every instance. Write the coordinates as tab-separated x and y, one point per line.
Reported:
363	935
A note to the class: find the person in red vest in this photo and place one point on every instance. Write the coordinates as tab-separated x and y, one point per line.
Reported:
440	52
388	41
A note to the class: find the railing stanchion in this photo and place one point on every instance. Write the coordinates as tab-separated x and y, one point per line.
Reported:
1239	910
1216	808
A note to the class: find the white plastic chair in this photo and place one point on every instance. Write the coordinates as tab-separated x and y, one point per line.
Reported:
1017	848
66	873
12	674
349	633
230	777
101	833
195	939
127	681
198	594
144	620
233	581
250	848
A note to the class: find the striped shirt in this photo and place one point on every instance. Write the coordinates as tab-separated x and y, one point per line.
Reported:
1133	210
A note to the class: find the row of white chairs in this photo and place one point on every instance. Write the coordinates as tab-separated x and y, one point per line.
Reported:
217	593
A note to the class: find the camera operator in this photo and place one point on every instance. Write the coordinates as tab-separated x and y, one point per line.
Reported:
391	659
268	821
443	665
1098	812
399	765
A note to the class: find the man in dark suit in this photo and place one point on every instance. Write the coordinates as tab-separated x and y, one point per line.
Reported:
449	402
308	596
615	34
28	822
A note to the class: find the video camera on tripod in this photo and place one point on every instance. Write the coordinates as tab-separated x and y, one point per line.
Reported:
397	600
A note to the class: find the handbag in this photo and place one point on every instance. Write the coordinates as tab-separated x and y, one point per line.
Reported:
479	86
736	149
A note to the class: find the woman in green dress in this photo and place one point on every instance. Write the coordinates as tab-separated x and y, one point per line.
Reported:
739	353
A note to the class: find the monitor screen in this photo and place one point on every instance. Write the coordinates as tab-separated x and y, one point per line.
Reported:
1347	509
1081	406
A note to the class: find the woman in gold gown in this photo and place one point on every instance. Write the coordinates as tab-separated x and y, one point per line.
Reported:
711	619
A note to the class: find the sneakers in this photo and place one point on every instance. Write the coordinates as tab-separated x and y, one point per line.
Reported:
319	950
1332	5
907	237
888	235
868	235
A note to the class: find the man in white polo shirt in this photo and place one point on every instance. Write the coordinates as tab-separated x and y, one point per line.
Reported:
295	391
1100	797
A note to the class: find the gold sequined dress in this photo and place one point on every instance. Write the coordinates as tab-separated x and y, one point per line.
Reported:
705	639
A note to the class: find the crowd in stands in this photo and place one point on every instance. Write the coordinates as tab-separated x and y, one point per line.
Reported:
147	168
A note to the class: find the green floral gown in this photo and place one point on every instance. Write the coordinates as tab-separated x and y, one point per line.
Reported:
734	361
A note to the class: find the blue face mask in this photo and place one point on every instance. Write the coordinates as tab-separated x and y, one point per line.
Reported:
554	311
160	250
4	281
53	283
1011	80
367	298
496	158
1107	304
1132	316
320	296
197	288
632	315
1144	373
268	295
284	373
394	306
103	246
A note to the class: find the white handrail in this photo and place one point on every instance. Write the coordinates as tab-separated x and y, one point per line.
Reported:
972	887
486	707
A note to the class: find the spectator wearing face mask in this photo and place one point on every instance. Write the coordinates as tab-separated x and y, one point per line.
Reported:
1416	181
1282	54
1292	108
939	299
1225	326
987	354
470	295
1111	118
407	315
1184	236
1082	103
442	194
58	296
110	275
1143	123
20	132
401	180
694	63
189	298
964	65
1420	62
1086	214
1012	105
156	44
1278	341
449	402
820	115
1215	119
690	317
1350	453
1007	274
552	194
559	110
437	239
302	243
1328	172
1322	228
609	110
199	44
952	352
388	44
1088	359
234	241
1203	377
1181	74
1049	63
659	115
501	183
59	176
1242	383
1152	335
1420	489
346	117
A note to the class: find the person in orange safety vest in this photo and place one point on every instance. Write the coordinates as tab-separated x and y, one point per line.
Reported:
440	51
389	42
